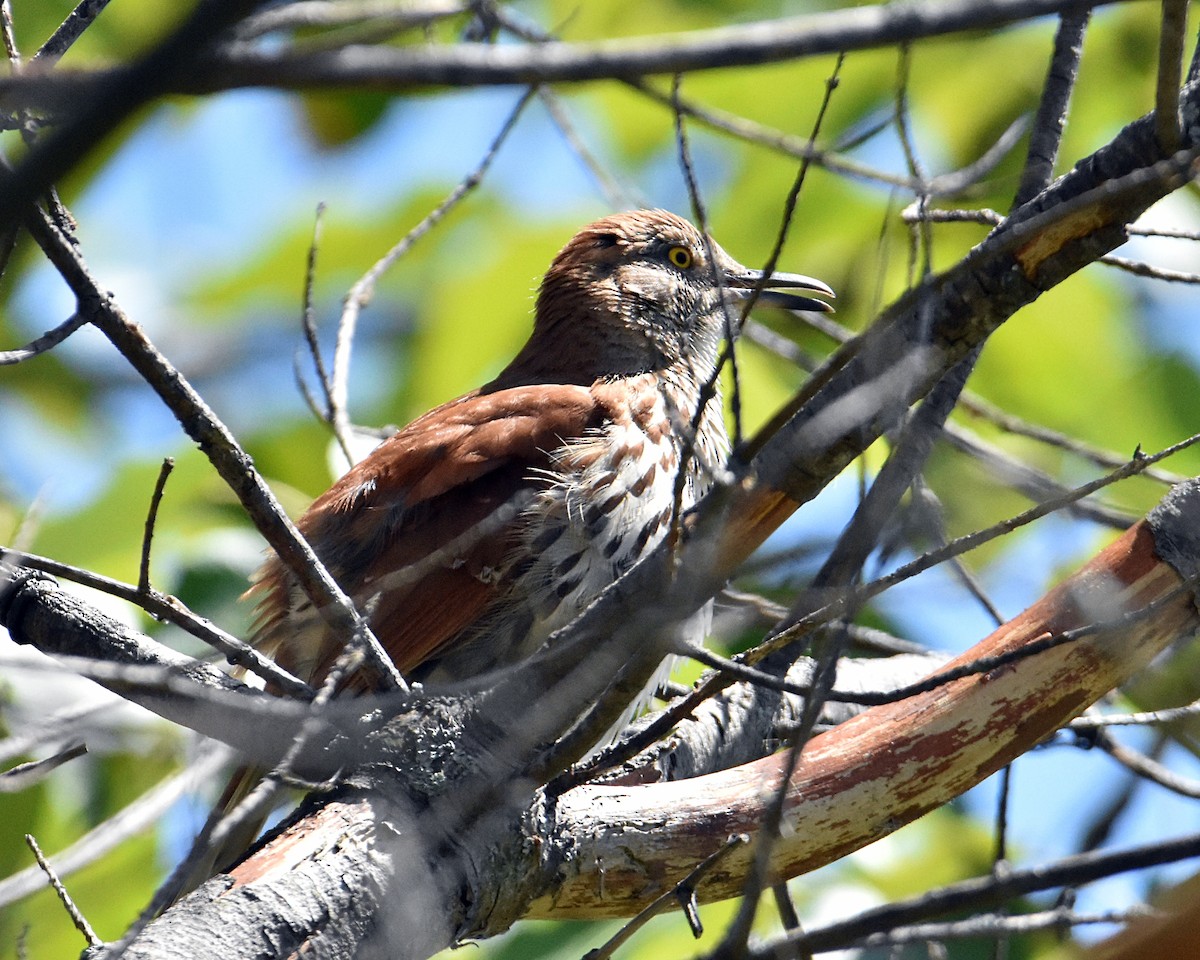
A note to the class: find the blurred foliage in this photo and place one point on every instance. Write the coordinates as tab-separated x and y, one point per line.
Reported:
82	440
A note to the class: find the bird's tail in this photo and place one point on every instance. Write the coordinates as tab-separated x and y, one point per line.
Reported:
225	853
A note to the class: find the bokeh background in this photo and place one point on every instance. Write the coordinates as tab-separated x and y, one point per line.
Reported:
198	215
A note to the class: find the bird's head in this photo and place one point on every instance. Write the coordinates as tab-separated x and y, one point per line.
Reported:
645	290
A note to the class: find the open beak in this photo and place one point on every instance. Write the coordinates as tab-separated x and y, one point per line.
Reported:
775	290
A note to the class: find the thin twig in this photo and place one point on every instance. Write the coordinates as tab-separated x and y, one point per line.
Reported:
922	237
308	324
306	319
1140	269
363	290
8	236
1030	482
982	892
683	890
25	775
73	911
936	521
1051	117
793	194
617	195
309	14
171	609
71	29
46	341
164	472
1170	715
990	926
1145	766
1010	423
130	821
59	726
1170	75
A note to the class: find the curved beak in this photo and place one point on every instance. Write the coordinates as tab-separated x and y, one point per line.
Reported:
741	284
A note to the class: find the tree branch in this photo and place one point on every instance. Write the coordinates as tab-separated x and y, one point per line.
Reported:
471	64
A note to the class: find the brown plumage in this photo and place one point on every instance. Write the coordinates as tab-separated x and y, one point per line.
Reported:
491	521
488	523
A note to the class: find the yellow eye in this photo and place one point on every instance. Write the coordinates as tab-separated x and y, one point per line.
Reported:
680	256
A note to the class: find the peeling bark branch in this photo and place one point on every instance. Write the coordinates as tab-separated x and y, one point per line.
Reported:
604	851
892	763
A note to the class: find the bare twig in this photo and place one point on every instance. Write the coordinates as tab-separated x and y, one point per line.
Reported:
77	918
1093	721
682	892
922	237
164	472
9	37
994	926
127	822
1029	481
172	610
793	195
977	406
61	726
46	341
984	892
1145	766
1140	269
71	29
25	775
1170	74
308	14
363	290
472	64
1051	117
617	195
308	324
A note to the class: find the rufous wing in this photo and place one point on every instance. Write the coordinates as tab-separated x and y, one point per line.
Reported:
420	533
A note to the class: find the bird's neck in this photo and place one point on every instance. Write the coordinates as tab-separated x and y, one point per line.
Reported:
581	351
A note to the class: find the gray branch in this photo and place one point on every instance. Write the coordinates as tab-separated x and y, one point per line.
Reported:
470	64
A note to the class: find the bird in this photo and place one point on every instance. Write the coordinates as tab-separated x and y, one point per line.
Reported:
470	536
474	533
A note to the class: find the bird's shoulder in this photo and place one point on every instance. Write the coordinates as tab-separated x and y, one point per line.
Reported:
466	439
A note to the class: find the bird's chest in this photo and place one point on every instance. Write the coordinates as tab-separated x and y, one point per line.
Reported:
609	499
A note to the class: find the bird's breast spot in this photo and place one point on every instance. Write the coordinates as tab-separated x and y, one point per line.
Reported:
488	575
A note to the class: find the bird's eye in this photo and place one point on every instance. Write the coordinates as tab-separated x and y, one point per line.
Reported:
680	256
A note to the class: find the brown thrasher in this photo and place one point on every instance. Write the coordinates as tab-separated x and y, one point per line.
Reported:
490	522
